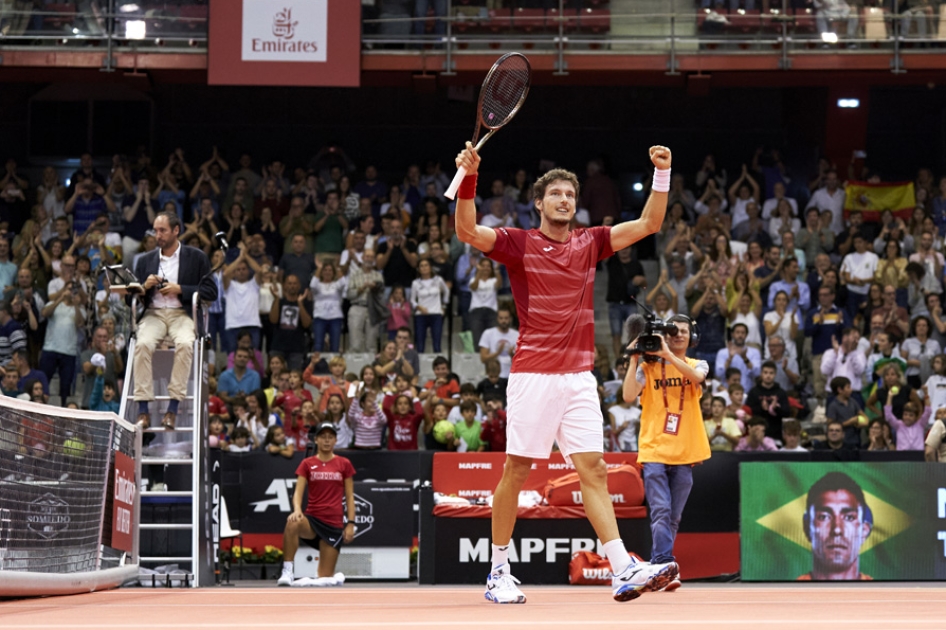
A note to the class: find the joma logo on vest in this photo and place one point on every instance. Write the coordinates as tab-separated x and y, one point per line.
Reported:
670	382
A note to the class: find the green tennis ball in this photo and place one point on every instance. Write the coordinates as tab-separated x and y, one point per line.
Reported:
894	390
73	448
441	429
862	420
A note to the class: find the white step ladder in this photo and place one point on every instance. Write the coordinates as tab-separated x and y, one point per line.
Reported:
184	447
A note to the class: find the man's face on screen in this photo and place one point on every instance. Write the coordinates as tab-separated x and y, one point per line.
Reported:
837	531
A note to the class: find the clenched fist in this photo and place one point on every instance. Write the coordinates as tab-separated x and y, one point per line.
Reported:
660	156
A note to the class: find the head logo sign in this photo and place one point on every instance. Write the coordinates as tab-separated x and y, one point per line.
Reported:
284	42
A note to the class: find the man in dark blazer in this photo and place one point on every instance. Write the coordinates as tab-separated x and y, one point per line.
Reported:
173	272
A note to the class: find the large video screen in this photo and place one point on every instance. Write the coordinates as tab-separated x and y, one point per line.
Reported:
843	521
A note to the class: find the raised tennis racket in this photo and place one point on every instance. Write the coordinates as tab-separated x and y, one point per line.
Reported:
504	91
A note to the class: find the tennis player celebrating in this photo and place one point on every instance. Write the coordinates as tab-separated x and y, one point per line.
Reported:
552	394
329	478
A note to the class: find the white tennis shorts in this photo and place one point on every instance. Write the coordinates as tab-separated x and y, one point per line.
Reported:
548	408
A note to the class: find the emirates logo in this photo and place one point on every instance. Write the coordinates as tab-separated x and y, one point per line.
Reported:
283	26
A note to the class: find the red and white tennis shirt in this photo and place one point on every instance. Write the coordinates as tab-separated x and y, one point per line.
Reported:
553	284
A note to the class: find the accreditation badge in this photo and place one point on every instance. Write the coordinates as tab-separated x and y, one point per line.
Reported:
672	423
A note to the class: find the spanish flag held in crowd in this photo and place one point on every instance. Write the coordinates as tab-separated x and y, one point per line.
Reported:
872	199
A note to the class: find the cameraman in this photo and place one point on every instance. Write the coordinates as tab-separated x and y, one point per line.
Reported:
672	437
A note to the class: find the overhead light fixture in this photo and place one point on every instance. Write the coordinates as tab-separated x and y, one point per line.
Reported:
129	8
75	31
135	29
849	103
829	38
638	187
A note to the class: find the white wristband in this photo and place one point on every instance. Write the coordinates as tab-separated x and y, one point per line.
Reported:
661	180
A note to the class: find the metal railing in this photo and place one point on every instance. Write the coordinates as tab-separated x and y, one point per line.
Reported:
562	28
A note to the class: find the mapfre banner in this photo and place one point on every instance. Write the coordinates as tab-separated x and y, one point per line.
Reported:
285	42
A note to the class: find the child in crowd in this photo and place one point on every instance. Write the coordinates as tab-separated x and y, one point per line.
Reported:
791	437
721	429
215	404
240	441
878	436
625	421
493	431
846	410
292	398
756	440
277	444
434	413
367	420
217	436
335	413
737	408
400	310
404	416
334	383
911	428
934	389
467	431
104	392
467	394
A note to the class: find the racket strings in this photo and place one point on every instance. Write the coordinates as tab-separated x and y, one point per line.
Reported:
504	91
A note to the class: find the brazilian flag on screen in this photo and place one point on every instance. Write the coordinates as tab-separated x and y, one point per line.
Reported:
906	501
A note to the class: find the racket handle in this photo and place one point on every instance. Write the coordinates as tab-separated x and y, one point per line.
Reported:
455	184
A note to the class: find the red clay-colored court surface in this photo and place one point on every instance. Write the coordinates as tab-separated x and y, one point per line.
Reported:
792	606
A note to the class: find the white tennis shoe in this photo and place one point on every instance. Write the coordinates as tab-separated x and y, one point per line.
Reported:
631	582
285	578
501	588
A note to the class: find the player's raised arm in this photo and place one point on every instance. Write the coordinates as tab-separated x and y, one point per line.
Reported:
652	217
480	237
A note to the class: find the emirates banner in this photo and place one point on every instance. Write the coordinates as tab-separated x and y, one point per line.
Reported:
285	42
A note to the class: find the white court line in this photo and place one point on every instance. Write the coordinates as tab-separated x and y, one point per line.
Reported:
650	601
528	623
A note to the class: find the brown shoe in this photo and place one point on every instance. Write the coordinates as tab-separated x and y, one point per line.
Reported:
144	421
168	421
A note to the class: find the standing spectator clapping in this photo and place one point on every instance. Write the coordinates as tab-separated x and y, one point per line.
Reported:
327	291
484	305
429	297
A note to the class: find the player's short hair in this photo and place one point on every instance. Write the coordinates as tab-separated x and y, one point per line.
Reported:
791	427
467	388
771	365
337	360
441	360
468	405
556	174
731	371
721	400
737	387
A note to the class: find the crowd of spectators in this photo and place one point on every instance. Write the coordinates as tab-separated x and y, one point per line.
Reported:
793	296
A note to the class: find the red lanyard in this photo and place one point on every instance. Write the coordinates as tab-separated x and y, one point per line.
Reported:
663	376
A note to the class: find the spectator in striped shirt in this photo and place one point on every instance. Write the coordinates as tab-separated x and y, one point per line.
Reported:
12	335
